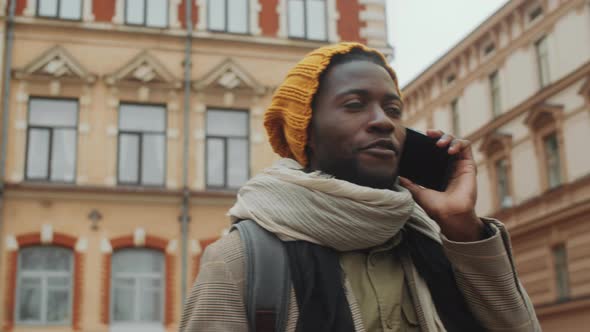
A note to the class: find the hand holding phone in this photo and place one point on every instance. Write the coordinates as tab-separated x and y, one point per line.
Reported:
425	163
445	164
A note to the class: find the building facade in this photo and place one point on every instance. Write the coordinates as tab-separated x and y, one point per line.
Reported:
95	162
518	87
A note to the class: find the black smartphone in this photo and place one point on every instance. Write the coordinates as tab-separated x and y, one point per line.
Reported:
425	163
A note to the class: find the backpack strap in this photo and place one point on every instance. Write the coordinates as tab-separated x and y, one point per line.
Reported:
268	280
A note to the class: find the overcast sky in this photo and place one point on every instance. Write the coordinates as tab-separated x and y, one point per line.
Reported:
423	30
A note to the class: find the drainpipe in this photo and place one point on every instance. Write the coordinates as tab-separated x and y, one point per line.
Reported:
5	103
184	219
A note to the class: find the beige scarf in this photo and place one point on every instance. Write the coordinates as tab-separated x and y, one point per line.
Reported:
317	208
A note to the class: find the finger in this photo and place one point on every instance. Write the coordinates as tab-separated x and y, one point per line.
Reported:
434	133
458	145
445	140
411	186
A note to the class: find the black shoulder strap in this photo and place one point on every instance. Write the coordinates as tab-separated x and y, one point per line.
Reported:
268	281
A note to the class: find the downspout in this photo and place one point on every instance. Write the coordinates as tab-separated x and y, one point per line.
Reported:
5	104
184	219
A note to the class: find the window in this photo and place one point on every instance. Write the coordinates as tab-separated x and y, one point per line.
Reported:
489	48
137	291
307	19
44	285
535	13
455	117
552	160
227	148
228	15
150	13
451	78
503	186
561	273
61	9
142	144
542	61
51	140
495	93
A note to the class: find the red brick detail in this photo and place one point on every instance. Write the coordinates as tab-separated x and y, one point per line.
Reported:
169	305
122	242
155	242
194	13
197	260
29	239
105	295
103	10
349	24
9	301
20	7
64	240
268	18
78	291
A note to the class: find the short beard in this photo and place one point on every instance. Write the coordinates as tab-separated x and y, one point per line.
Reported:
348	169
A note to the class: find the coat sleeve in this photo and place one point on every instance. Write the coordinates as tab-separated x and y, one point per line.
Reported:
216	302
486	276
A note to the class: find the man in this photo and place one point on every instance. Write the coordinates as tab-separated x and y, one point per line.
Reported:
366	254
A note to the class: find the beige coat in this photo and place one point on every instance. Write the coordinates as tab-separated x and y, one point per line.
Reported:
484	271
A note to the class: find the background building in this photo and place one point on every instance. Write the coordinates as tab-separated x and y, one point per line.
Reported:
95	161
518	87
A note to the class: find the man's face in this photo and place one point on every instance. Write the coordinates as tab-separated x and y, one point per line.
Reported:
356	133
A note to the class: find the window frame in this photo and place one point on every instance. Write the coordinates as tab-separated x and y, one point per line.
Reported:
455	121
136	278
141	135
225	149
496	147
542	121
499	199
145	13
545	157
305	31
561	295
57	16
44	289
226	13
50	128
495	93
539	56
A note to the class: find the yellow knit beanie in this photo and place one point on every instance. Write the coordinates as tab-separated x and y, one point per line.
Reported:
288	116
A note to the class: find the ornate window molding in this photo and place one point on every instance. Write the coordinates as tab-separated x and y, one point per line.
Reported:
56	64
143	69
229	76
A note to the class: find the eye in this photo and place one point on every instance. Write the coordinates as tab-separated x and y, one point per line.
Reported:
354	104
393	111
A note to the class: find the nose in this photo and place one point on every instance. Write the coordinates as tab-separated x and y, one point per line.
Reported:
380	123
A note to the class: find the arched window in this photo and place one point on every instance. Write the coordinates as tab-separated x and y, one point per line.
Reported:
44	291
137	287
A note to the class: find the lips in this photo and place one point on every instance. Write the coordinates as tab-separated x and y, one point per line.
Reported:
383	145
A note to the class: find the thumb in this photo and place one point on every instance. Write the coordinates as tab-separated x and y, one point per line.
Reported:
416	190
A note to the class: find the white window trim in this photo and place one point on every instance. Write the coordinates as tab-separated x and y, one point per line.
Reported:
202	21
332	18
